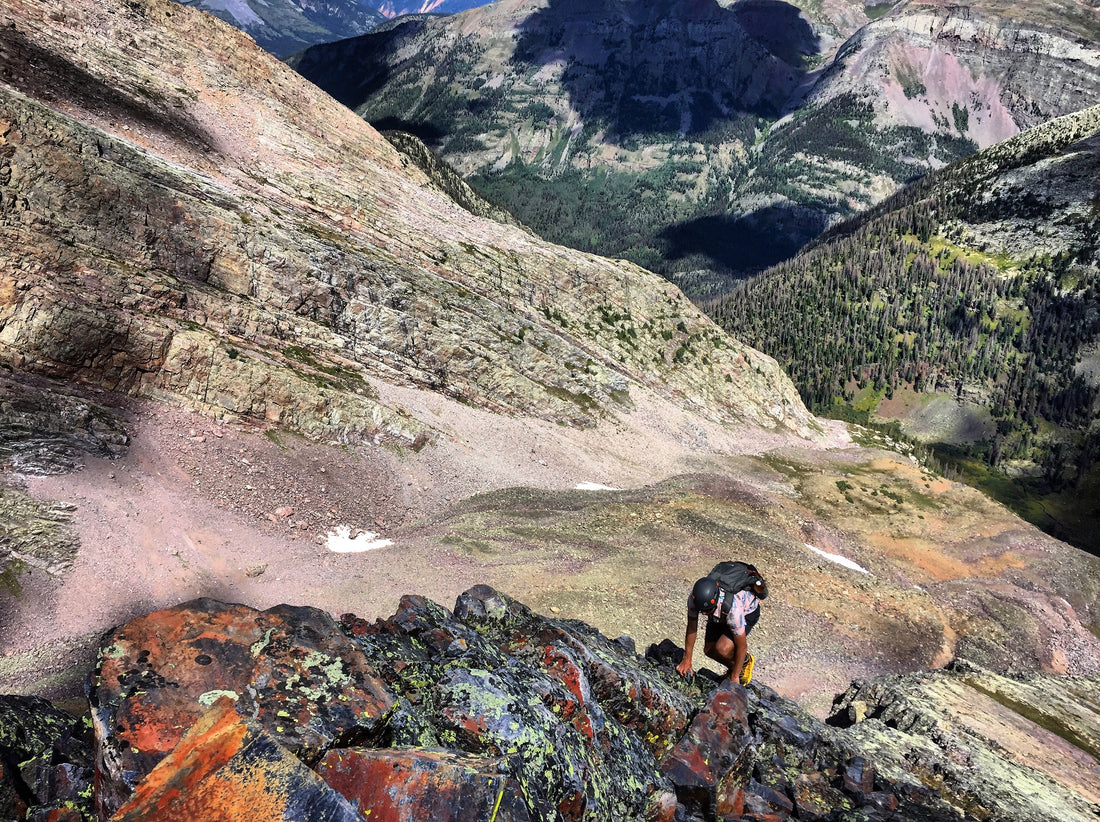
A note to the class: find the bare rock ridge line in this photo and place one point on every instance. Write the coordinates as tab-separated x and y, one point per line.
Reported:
277	254
493	712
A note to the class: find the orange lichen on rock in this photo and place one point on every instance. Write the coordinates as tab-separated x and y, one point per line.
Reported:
225	769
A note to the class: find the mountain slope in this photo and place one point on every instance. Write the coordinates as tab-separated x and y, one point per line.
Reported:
692	137
599	125
276	251
283	27
966	307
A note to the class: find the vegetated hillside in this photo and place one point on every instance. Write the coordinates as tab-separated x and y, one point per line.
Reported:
968	308
243	242
283	27
701	139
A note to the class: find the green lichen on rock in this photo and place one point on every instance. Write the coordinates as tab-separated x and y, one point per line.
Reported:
33	535
524	695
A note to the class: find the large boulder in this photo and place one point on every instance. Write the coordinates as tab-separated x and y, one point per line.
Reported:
289	668
409	785
228	769
709	766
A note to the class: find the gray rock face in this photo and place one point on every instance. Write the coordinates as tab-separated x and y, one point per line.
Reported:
1022	748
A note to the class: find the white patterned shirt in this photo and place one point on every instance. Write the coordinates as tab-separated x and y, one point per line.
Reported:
744	603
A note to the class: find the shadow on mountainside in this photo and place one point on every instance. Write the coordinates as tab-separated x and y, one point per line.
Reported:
743	245
675	66
35	71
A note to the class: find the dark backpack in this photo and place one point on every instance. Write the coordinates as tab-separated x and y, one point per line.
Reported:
733	576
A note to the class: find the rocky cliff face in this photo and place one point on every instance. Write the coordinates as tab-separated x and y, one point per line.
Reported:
929	84
182	222
493	712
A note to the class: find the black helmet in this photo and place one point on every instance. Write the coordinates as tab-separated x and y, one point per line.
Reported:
704	596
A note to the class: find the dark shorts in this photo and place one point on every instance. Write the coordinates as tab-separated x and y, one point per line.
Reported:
717	630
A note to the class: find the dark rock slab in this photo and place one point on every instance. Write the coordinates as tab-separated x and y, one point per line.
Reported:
47	428
710	766
410	785
45	760
289	668
228	769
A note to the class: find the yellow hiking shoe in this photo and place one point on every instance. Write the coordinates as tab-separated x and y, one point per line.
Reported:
746	670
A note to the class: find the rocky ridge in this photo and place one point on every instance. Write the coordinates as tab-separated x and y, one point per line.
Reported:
495	712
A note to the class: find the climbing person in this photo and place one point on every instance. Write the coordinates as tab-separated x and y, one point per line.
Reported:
730	597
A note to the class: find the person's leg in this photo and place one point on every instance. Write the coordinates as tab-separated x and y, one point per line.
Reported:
719	646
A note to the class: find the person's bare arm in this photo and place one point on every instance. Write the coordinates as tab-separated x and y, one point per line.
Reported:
684	668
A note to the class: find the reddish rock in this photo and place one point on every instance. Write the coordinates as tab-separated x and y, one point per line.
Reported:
764	816
289	668
859	777
661	808
712	760
415	785
55	815
227	769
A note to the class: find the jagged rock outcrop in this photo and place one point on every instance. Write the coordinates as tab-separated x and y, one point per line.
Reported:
45	429
184	222
1023	748
498	713
445	178
45	761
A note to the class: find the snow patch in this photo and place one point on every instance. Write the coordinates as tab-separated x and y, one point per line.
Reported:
239	10
340	541
838	559
595	486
